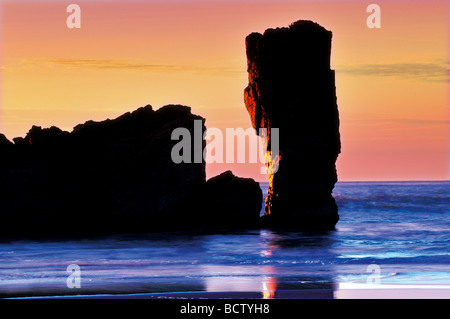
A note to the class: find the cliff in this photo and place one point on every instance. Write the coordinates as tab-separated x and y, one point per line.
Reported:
291	87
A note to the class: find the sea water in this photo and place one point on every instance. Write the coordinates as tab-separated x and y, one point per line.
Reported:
391	235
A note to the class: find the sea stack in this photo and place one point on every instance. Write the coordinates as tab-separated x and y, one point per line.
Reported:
292	88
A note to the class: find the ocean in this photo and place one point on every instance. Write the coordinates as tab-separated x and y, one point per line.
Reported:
392	239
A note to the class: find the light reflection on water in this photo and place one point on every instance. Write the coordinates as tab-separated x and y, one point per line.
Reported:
265	262
259	261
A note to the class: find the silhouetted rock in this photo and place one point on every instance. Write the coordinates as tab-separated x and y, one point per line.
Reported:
232	202
5	152
291	87
4	142
104	177
117	176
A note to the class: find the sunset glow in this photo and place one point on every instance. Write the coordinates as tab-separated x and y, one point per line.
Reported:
392	83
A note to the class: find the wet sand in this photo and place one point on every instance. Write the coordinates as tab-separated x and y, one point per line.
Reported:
282	294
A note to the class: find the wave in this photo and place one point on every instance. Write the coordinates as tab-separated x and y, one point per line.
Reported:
426	260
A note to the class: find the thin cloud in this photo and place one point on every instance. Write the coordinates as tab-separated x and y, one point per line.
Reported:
103	64
439	72
116	64
421	121
407	122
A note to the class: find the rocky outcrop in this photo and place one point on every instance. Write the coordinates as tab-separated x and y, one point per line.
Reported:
104	177
232	202
118	176
291	87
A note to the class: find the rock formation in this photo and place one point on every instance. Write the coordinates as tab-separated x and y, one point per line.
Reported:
230	199
292	88
109	177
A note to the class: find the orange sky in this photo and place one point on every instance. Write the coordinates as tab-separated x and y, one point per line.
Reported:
392	83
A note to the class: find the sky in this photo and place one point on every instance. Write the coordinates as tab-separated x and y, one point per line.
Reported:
392	82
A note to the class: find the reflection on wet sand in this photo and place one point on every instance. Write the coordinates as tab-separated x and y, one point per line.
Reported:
269	282
297	278
250	264
288	266
269	288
